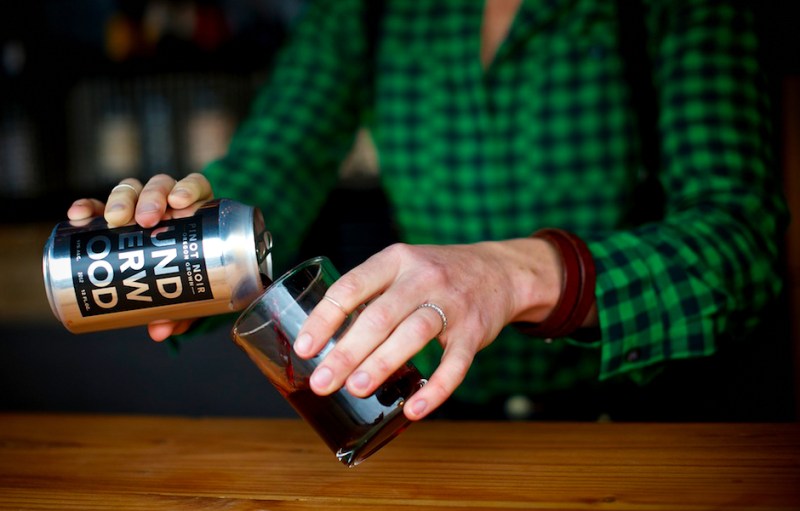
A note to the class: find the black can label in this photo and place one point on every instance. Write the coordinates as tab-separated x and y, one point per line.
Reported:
129	268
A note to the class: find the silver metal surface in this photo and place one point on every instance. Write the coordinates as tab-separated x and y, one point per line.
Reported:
214	262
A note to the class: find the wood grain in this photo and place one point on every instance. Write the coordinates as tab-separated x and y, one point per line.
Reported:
127	462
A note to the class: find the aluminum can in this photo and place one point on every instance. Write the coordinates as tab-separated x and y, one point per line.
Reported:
216	261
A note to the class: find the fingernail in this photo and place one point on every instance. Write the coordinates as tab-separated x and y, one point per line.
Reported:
117	206
360	380
180	192
302	344
147	207
418	407
321	378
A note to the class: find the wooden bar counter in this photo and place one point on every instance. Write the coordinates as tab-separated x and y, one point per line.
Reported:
88	462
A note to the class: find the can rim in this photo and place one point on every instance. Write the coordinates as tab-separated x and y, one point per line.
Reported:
48	282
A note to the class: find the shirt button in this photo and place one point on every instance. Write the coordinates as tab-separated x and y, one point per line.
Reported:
633	355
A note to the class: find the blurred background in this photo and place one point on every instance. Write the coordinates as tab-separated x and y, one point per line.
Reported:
92	91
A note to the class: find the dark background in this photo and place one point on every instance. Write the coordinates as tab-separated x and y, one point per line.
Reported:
66	44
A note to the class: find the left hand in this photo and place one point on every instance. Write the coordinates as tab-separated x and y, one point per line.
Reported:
162	197
481	287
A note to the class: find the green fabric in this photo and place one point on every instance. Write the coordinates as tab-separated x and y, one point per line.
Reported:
544	137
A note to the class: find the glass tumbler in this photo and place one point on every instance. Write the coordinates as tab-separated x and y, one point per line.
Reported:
352	427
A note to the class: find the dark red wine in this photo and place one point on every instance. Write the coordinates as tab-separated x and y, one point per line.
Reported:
355	427
352	427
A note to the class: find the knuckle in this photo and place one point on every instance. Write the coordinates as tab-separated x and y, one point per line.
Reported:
188	182
449	375
195	177
341	357
439	390
377	317
433	274
398	251
316	323
473	322
381	365
162	177
423	325
150	187
348	285
483	323
458	364
161	183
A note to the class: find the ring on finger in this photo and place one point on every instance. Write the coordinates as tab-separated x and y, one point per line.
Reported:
126	185
440	312
337	304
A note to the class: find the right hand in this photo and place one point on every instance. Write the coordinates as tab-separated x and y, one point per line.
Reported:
160	198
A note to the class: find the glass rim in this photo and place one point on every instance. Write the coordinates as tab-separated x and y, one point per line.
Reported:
314	261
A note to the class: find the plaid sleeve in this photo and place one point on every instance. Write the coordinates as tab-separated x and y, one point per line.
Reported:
673	289
284	156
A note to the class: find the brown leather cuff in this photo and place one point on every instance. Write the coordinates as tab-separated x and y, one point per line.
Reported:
577	287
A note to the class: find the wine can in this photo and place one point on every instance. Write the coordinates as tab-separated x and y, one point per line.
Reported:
98	278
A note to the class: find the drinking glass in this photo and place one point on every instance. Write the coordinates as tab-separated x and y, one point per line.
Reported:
352	427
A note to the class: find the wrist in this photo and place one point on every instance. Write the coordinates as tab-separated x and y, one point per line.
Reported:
575	306
536	281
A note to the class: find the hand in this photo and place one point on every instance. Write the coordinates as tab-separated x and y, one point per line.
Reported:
160	198
147	204
480	287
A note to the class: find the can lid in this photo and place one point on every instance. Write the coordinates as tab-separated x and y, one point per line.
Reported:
247	251
263	241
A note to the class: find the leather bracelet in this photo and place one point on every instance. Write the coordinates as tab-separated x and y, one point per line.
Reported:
577	288
570	284
586	296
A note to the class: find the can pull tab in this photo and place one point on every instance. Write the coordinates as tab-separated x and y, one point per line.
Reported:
264	255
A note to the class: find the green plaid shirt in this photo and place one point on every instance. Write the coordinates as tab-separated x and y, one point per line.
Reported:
544	137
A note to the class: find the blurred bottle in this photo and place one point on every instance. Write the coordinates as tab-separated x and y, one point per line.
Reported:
158	149
19	171
119	146
209	129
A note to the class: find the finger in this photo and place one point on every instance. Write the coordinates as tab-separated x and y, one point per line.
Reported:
372	327
82	209
153	200
160	330
354	288
192	188
407	340
442	383
186	212
327	316
122	201
183	326
349	352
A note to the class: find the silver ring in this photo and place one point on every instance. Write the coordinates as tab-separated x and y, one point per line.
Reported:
337	304
126	185
441	314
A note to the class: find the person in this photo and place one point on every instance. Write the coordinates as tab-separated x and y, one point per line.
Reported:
511	152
